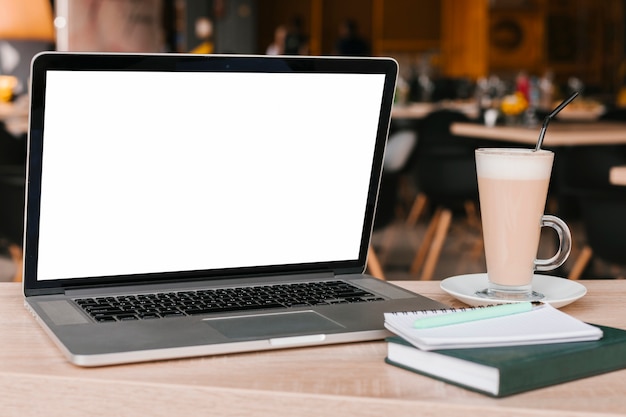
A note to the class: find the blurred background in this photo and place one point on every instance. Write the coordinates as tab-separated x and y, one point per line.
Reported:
474	50
452	38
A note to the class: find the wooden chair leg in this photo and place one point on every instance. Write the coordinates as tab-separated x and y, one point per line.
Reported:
581	263
416	209
435	248
386	242
406	196
17	256
474	222
420	255
478	248
473	219
373	265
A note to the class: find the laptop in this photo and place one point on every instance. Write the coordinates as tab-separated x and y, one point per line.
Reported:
189	205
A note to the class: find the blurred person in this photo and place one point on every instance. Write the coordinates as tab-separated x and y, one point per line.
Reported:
277	47
204	32
115	26
350	42
296	42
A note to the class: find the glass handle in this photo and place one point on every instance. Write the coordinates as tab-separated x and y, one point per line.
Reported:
565	244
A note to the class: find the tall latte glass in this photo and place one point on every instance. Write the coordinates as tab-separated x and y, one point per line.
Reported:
513	187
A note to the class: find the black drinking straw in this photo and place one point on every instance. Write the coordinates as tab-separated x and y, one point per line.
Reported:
550	116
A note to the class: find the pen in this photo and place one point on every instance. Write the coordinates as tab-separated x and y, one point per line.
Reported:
474	314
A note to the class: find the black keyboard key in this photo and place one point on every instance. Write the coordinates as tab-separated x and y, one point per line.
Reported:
175	304
172	314
146	316
104	319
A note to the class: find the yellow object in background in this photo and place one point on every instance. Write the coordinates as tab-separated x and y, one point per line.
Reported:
513	104
203	48
7	86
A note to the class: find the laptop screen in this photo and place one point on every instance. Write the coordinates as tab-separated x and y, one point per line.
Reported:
150	171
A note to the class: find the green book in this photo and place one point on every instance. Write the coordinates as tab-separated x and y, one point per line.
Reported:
503	371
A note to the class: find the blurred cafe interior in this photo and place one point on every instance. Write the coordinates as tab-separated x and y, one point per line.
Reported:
472	73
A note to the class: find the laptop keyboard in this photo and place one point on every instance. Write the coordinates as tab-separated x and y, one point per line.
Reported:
188	303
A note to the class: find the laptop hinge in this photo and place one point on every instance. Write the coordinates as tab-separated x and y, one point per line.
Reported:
191	285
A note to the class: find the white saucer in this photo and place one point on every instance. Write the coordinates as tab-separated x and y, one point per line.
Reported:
557	291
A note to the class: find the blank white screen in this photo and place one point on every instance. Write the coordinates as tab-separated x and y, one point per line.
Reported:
147	172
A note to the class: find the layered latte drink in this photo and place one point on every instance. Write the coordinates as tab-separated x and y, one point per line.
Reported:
513	187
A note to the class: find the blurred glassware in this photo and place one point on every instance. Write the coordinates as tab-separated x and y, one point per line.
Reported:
546	90
574	84
402	92
491	117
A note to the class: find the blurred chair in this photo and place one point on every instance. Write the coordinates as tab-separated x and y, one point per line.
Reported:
400	147
603	215
385	214
446	180
11	257
12	186
586	195
581	167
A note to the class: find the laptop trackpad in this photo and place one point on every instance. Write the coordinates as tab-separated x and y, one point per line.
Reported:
273	325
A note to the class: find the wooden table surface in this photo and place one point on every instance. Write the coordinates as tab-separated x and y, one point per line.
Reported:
557	134
419	110
338	380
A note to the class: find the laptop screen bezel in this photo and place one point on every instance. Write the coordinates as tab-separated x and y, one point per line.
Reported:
47	61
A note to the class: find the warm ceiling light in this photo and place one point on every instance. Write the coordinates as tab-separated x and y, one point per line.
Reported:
26	20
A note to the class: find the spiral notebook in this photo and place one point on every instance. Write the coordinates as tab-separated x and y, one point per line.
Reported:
541	325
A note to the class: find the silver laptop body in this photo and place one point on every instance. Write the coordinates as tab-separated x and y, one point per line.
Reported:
167	176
